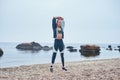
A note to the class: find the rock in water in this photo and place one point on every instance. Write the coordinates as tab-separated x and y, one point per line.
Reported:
1	52
118	47
72	50
69	47
29	46
89	50
47	48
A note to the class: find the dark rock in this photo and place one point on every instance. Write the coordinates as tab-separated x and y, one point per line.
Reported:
29	46
89	50
47	48
72	50
109	47
1	52
90	53
69	47
118	47
115	49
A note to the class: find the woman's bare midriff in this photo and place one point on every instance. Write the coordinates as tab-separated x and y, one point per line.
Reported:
59	36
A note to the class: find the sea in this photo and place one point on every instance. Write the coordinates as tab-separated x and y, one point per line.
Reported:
13	57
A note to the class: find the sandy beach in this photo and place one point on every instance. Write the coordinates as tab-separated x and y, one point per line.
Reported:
108	69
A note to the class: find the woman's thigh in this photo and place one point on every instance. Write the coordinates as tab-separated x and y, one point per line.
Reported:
61	46
56	45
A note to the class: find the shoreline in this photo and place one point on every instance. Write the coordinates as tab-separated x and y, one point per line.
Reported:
107	69
57	63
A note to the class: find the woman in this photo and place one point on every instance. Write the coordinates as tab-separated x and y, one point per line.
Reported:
58	33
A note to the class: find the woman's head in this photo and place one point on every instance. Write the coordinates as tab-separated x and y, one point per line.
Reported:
59	23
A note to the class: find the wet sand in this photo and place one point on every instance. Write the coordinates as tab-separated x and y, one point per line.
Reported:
108	69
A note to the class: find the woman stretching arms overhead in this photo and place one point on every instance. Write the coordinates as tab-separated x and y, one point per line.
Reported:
58	33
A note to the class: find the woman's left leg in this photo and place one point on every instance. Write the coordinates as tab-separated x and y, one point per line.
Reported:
61	48
55	48
62	58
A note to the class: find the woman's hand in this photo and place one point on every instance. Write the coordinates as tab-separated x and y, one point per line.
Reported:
59	18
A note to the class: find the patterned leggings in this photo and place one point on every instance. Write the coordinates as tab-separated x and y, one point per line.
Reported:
58	45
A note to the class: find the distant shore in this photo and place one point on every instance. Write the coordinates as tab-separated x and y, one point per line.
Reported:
107	69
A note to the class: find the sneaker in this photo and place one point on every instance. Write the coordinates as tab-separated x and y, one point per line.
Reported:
51	69
64	69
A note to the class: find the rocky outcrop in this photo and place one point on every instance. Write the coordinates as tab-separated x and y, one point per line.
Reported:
71	49
117	49
1	52
109	48
29	46
33	46
47	48
89	50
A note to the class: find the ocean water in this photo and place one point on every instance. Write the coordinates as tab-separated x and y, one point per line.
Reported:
13	57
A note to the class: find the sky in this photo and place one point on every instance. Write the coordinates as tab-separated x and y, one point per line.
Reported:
86	21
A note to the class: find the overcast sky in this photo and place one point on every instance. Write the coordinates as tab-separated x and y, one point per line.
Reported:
87	21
